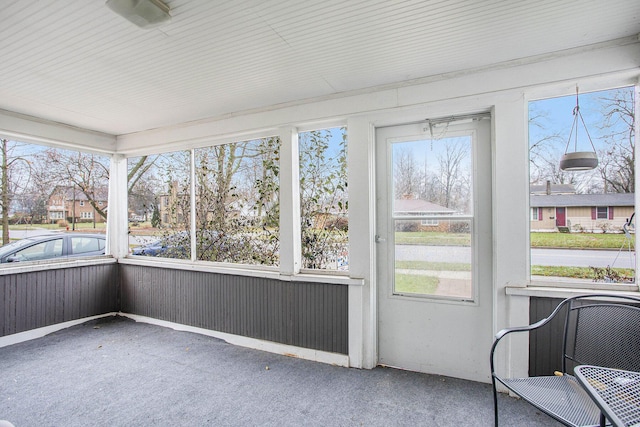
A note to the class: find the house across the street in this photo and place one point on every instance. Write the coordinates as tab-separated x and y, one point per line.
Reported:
581	212
66	202
423	208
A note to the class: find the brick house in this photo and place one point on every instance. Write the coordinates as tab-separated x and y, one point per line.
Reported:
431	212
65	203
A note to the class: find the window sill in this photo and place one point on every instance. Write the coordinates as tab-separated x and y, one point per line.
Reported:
559	291
336	279
33	266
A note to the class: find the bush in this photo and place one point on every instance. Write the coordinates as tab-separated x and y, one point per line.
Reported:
62	223
460	227
604	226
408	226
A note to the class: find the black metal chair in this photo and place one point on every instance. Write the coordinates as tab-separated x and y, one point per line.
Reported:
602	330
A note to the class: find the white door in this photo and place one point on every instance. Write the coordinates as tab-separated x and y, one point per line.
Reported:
434	263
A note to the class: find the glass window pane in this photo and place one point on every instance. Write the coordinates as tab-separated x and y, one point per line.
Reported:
324	221
64	189
585	230
237	202
432	209
433	262
44	250
433	177
81	245
159	205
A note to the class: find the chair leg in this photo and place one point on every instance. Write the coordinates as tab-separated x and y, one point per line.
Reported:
495	401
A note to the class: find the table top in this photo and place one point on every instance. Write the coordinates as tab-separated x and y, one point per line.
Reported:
615	391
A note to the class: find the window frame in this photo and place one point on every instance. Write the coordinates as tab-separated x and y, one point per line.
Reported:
546	285
289	265
600	212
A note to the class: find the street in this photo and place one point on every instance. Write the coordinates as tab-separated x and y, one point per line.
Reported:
548	257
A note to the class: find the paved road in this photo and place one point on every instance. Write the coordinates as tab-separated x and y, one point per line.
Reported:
555	257
21	234
583	258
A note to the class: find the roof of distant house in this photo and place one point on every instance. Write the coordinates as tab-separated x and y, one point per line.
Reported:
582	200
417	206
71	193
552	189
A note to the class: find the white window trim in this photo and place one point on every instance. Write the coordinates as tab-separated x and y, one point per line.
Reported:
290	242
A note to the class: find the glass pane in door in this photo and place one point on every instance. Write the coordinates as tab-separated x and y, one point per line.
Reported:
433	217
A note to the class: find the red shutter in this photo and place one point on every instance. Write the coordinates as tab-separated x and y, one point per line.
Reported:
610	212
540	214
594	213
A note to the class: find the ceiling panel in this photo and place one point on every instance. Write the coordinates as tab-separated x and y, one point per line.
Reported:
76	62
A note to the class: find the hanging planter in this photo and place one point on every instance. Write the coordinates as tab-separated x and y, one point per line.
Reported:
578	160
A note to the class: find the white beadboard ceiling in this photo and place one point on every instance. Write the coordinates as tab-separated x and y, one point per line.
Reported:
76	62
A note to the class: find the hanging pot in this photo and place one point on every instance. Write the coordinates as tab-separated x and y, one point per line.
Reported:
579	161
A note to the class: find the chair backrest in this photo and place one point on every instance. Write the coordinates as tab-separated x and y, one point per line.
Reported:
602	333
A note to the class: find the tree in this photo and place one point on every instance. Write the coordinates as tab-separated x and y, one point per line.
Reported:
323	198
89	173
155	217
407	177
617	159
547	144
12	180
237	192
454	175
611	124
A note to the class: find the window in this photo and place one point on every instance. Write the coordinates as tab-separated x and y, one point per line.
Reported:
159	205
54	215
86	215
87	245
433	177
238	202
324	199
81	202
40	251
602	212
46	185
591	209
534	214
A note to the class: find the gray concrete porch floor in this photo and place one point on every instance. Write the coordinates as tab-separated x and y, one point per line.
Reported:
116	372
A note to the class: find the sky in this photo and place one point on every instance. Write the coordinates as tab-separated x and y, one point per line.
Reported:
558	118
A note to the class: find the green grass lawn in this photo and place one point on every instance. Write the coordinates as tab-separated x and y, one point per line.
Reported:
579	240
415	284
432	238
587	273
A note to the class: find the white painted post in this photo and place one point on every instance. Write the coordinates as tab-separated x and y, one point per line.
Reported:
117	218
290	244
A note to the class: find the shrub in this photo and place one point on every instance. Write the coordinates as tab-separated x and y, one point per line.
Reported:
408	226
